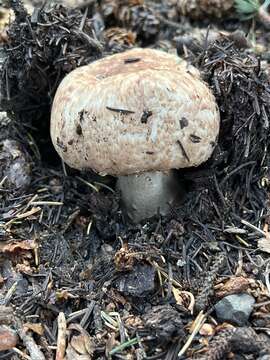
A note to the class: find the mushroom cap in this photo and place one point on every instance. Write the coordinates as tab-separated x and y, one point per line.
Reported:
141	110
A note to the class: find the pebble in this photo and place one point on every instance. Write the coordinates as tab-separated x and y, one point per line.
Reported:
140	282
235	309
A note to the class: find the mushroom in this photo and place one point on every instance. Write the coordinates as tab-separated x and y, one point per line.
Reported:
136	115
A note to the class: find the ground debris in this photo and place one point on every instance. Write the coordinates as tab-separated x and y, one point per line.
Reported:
201	9
80	344
247	341
234	285
6	315
29	342
207	286
231	185
219	347
138	282
8	338
136	16
15	169
242	340
65	247
164	323
40	51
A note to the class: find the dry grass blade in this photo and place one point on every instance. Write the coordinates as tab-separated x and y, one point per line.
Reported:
198	323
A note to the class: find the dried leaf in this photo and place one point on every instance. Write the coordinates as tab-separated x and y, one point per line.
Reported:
8	338
18	245
124	259
234	285
177	296
198	9
3	36
207	330
133	321
24	268
82	343
224	326
78	343
71	354
117	297
62	295
6	16
181	298
119	36
89	344
36	328
110	343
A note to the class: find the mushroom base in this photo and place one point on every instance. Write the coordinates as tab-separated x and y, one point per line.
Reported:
147	194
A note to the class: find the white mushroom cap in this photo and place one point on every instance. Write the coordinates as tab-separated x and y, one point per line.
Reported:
169	118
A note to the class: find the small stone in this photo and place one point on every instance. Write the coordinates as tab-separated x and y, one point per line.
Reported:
139	282
235	309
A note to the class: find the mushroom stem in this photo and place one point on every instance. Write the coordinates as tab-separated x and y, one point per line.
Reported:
147	194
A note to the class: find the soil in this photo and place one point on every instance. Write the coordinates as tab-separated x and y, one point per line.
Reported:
78	281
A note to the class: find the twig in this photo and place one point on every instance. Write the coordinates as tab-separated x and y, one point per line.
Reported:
61	338
53	203
163	272
199	321
64	168
104	186
87	314
235	171
2	181
266	276
87	183
22	354
10	293
29	343
253	227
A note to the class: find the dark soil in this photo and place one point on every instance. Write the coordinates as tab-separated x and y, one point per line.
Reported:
77	280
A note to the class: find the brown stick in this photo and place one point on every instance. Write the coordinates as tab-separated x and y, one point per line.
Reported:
29	343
